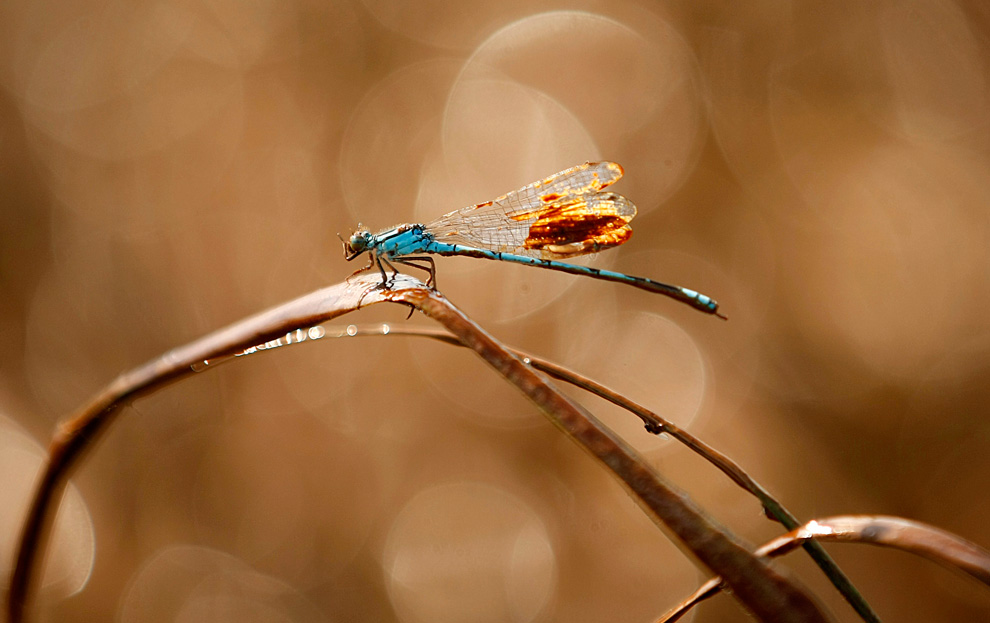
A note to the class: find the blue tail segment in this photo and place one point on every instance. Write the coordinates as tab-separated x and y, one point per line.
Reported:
696	300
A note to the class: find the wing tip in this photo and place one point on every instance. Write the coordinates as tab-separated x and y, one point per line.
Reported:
610	171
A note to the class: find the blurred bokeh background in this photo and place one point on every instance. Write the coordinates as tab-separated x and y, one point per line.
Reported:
166	168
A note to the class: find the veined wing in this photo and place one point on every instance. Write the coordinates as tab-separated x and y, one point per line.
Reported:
563	215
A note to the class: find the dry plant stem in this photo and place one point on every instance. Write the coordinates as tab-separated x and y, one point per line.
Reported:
924	540
656	424
78	433
756	585
760	588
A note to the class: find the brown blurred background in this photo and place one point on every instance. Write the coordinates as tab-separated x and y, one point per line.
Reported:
168	168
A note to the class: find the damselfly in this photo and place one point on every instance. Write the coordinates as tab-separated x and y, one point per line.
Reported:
565	215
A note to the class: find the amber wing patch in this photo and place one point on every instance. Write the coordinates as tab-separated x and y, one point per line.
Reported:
577	226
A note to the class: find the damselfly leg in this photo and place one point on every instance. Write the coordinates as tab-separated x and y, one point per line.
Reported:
431	269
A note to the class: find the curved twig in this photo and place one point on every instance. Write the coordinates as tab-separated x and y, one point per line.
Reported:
75	435
756	585
656	424
915	537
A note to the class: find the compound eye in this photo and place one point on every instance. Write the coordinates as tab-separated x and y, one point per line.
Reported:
359	241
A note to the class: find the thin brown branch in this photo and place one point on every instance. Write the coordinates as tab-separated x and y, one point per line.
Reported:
758	587
657	425
773	508
78	433
915	537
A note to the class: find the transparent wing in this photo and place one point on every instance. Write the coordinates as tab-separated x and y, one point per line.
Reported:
563	215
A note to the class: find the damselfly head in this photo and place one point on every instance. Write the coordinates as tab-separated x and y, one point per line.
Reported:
358	243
